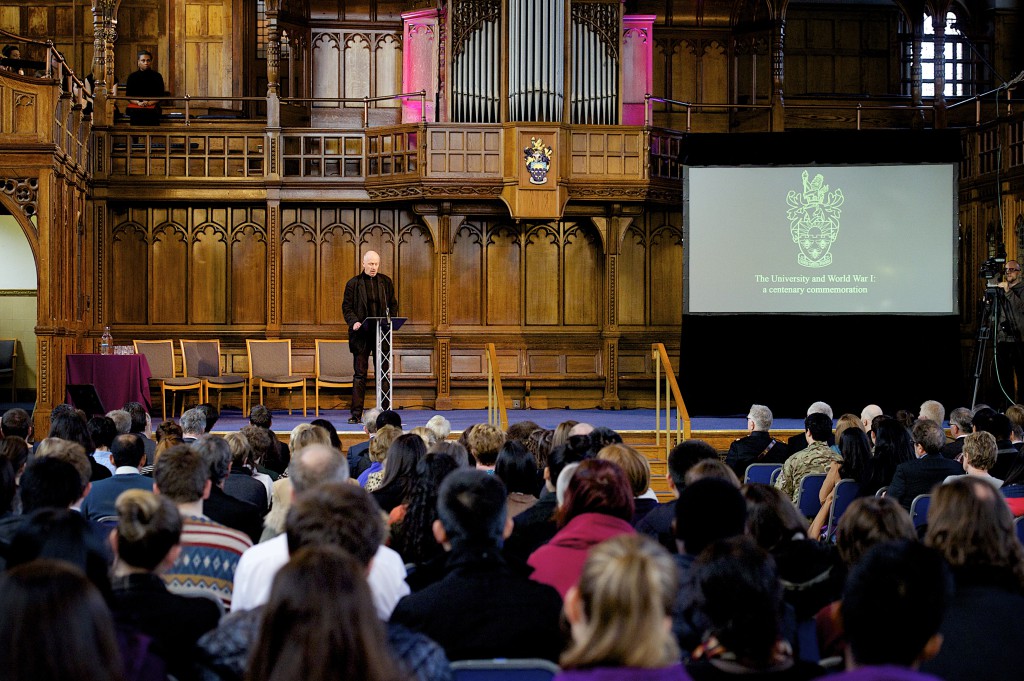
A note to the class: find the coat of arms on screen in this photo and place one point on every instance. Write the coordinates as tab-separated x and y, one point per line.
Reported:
538	160
814	220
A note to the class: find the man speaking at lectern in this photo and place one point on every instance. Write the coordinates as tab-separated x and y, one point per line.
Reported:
368	294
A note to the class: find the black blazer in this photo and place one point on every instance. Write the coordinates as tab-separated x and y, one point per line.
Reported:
920	476
356	307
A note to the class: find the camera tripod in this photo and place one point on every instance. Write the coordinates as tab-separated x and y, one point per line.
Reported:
994	313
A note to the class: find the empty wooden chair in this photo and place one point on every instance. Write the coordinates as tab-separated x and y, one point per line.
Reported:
334	367
160	356
270	366
201	358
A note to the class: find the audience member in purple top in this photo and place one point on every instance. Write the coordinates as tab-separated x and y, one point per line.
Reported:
893	604
618	612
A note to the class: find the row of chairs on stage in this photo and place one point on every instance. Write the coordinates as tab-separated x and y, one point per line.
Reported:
270	367
843	495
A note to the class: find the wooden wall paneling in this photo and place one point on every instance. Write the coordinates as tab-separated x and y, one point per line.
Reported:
377	232
337	257
503	258
207	64
248	255
299	273
356	61
465	302
388	69
126	299
415	274
143	25
327	66
632	275
168	286
542	293
208	271
666	284
582	278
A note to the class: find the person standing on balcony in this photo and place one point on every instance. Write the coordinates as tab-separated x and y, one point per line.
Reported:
141	86
368	294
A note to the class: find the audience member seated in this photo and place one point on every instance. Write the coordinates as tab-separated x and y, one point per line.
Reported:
598	506
400	471
740	599
809	569
893	445
497	612
658	522
15	450
56	625
454	450
638	472
411	531
856	465
517	468
441	426
799	442
146	543
102	432
71	426
128	455
929	468
711	468
893	604
243	481
220	506
867	522
139	426
277	457
16	422
428	436
121	419
960	420
12	52
335	440
970	525
373	475
990	421
759	446
978	455
209	550
560	436
817	457
616	614
484	443
333	516
1013	488
311	467
707	510
539	444
306	434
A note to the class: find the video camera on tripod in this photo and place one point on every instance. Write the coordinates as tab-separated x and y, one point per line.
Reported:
991	270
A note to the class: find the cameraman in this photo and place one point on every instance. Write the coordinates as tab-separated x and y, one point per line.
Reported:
1008	335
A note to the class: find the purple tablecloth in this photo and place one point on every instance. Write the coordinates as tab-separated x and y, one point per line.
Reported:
118	378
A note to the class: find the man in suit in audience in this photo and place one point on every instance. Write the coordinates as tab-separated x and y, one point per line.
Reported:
927	470
960	420
358	454
128	455
227	510
990	421
481	608
659	521
799	441
869	414
816	458
932	410
759	446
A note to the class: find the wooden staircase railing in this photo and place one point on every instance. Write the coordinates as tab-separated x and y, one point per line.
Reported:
679	427
496	414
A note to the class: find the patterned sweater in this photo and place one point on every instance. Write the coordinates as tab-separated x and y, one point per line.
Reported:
209	556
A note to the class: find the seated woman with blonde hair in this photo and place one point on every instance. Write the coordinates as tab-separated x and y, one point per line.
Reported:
619	615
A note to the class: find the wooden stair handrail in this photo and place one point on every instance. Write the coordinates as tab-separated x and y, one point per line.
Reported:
496	413
672	393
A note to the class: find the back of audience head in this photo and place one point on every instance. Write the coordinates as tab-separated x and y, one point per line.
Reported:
932	410
216	454
602	436
260	416
181	475
971	525
855	449
71	452
517	468
619	607
307	434
558	459
772	519
845	422
598	487
68	426
760	416
521	431
320	623
212	415
484	443
893	605
381	442
193	422
962	418
370	420
148	528
316	465
893	443
471	510
102	431
739	593
980	450
16	423
906	418
819	425
50	482
166	428
539	444
122	420
403	455
137	412
452	449
428	436
561	433
336	514
127	450
869	521
241	453
684	456
712	468
389	417
708	510
332	432
635	465
868	415
999	425
441	426
61	534
56	625
929	435
413	536
263	445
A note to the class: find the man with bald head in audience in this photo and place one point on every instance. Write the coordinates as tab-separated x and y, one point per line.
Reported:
368	294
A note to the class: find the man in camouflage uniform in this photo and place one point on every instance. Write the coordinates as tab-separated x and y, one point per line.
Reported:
816	458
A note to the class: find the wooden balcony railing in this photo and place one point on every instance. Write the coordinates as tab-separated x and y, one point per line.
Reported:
677	425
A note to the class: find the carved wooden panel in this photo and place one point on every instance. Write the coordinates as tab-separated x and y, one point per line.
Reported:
169	287
651	260
502	262
542	298
467	284
462	151
206	63
357	63
609	155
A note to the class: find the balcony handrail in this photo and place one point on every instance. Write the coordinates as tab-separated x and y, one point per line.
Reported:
681	430
496	413
366	101
691	106
188	99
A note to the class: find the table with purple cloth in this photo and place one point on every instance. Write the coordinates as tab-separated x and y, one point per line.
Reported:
118	378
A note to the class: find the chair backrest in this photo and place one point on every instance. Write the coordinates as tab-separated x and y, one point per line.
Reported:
8	351
159	355
807	496
761	472
880	492
919	509
333	358
842	496
200	357
1019	526
269	358
1012	491
775	475
504	670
